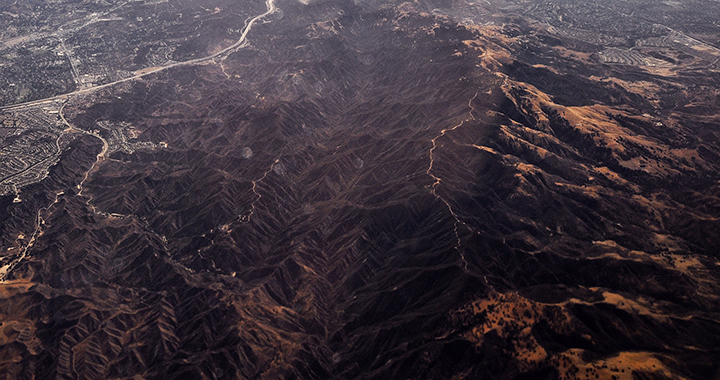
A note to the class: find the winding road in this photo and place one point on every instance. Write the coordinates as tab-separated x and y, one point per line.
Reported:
24	251
271	8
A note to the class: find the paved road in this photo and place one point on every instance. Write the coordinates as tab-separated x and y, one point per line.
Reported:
243	37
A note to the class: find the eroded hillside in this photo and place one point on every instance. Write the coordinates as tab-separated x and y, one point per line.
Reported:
376	191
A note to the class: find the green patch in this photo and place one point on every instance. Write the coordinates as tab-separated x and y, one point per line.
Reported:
23	92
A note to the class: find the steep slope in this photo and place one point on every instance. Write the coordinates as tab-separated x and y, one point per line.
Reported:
373	192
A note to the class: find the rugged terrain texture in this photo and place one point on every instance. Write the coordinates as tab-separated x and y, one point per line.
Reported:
377	191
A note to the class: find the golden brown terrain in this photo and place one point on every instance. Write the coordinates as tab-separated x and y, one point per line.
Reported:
370	191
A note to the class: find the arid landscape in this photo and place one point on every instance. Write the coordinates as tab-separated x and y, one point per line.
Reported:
281	189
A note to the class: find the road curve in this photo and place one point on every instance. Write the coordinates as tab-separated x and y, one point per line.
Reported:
271	8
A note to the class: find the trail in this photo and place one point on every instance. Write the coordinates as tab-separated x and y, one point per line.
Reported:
39	221
255	183
433	187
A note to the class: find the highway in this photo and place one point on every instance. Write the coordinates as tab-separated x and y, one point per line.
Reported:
63	98
271	8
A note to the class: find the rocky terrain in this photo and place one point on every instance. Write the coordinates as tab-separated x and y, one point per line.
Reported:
376	190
